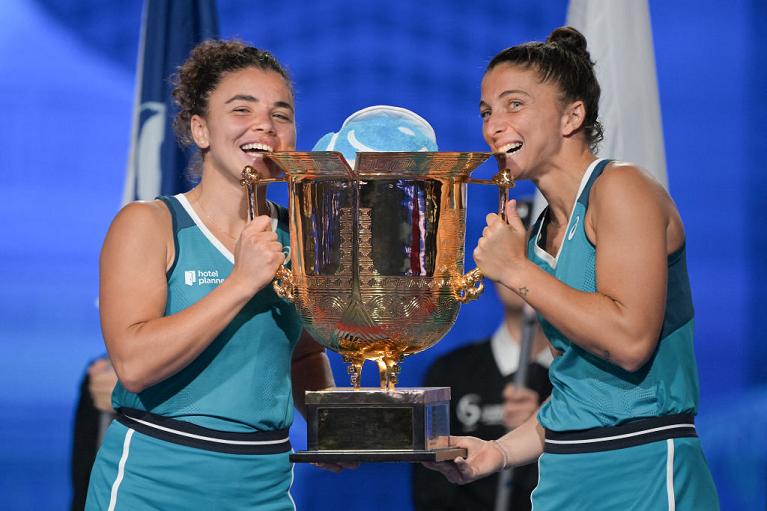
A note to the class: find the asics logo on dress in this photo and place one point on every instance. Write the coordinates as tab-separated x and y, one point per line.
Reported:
202	278
572	229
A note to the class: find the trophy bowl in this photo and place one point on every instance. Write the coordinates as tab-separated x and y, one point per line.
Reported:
377	273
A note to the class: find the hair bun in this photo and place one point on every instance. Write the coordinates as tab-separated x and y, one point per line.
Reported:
569	38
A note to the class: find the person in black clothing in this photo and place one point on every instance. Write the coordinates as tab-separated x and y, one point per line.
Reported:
486	404
94	412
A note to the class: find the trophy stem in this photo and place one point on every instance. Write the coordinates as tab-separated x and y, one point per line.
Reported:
354	369
393	372
388	370
383	373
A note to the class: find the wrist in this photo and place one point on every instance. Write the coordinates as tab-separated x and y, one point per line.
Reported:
504	453
240	288
515	276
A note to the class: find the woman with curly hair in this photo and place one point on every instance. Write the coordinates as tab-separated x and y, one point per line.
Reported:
203	347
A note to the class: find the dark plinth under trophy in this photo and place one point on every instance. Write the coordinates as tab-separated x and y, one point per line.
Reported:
373	425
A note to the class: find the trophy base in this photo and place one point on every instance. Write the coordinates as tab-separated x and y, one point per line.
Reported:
374	425
383	456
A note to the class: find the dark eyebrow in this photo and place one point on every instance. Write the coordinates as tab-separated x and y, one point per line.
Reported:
504	94
512	91
241	97
284	104
253	99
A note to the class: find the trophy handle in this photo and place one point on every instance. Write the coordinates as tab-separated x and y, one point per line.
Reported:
249	182
283	284
468	287
503	180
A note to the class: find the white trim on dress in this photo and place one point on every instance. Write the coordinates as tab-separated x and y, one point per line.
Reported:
208	234
120	470
548	258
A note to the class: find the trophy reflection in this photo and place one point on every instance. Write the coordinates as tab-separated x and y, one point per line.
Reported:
377	273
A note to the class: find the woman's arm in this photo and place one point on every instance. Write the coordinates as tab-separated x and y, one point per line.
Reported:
629	216
310	370
521	446
144	345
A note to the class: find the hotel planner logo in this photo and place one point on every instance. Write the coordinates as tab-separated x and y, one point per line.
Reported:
202	278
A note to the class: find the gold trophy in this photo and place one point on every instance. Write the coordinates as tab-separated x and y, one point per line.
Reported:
377	273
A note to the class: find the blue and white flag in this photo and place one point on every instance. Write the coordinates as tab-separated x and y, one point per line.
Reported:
169	31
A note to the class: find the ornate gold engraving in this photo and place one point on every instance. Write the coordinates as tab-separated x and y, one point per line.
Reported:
377	251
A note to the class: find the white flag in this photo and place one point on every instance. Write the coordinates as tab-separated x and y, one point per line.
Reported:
620	42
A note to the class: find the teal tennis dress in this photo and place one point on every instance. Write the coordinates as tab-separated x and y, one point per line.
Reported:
617	440
214	435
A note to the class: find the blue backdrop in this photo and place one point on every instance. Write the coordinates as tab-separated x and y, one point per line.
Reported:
66	95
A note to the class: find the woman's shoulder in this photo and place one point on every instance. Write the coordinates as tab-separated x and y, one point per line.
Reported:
626	192
618	171
145	207
140	234
142	218
623	181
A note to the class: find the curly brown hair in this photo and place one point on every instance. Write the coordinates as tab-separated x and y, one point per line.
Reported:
564	60
201	73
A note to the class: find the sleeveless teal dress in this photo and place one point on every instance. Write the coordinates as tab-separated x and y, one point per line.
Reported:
240	383
591	393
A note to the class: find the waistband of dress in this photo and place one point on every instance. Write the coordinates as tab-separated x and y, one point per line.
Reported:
192	435
630	434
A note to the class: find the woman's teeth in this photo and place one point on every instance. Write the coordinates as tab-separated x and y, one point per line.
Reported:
510	148
257	148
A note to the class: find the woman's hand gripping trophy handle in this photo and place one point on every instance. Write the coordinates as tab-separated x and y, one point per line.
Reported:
468	287
283	278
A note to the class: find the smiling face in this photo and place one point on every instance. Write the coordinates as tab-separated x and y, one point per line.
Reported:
522	117
250	112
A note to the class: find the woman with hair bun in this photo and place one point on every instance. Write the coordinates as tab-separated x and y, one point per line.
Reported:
604	267
206	353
